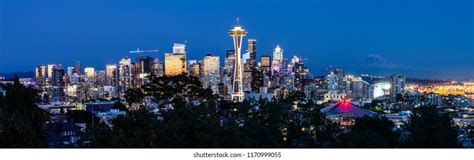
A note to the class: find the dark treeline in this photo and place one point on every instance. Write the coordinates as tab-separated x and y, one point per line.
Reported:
191	116
21	120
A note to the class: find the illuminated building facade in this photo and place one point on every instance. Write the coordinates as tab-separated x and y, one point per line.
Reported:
179	48
111	74
300	72
158	67
250	64
247	81
70	71
277	59
89	72
40	76
211	72
265	63
58	84
336	85
143	68
397	84
194	68
228	73
125	75
252	50
175	64
50	72
359	88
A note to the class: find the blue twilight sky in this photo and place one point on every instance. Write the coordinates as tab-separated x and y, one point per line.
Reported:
419	38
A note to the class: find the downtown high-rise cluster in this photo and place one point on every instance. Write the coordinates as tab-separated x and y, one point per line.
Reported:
241	76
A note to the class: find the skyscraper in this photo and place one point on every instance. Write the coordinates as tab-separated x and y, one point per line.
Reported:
78	68
248	70
100	78
179	48
252	50
229	63
335	79
247	81
336	85
143	68
194	68
265	69
265	63
158	67
257	80
277	59
397	83
359	88
50	72
245	60
251	77
299	72
237	34
144	65
227	74
58	83
89	72
175	64
211	72
89	75
111	74
278	53
69	70
125	75
40	75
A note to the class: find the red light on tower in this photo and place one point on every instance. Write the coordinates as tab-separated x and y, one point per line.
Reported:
344	102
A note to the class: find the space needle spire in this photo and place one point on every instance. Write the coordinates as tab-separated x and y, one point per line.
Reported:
237	33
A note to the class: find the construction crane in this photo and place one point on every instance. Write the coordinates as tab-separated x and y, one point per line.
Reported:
144	51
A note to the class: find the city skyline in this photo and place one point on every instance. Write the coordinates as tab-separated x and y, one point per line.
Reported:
328	38
237	74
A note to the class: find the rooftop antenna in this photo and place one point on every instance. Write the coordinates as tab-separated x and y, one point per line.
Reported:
238	19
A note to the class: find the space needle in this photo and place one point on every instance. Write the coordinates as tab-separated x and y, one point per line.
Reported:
237	33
